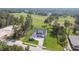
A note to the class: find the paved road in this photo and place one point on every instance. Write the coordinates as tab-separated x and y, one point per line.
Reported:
36	49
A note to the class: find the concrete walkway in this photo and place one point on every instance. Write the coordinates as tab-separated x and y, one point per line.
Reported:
40	43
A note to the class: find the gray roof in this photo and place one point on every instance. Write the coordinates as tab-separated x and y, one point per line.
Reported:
74	40
39	33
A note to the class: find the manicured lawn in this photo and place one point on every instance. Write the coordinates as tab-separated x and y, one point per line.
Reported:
50	43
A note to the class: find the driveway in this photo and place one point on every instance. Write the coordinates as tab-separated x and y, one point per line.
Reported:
40	42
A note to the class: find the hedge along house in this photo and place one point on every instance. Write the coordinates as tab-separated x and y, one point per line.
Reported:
6	32
74	42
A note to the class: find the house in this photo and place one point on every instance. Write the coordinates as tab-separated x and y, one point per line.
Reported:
74	42
39	33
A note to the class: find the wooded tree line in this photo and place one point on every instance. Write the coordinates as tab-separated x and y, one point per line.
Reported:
24	24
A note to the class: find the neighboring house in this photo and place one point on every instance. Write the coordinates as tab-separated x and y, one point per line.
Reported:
74	42
6	32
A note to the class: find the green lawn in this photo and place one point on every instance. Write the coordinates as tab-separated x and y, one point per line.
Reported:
50	43
38	22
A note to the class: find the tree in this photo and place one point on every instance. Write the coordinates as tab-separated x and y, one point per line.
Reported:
49	20
29	20
76	26
56	28
67	23
21	20
5	47
27	48
62	40
15	48
56	17
77	19
27	24
0	23
9	19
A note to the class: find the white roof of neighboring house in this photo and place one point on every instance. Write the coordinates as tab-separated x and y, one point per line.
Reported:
7	31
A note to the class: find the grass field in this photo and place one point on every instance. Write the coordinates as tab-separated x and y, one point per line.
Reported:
50	41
